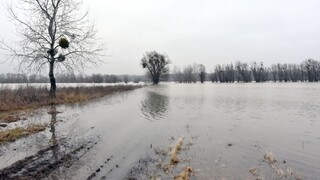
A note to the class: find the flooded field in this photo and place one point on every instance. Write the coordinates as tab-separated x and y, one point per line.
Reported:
207	131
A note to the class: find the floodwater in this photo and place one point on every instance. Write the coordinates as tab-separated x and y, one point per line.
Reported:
226	128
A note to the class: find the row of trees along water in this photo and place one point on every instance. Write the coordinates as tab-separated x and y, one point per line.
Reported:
71	78
307	71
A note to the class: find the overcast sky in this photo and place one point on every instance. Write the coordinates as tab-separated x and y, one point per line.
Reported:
192	31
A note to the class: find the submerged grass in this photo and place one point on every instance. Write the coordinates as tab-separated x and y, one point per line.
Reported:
174	153
23	98
10	117
19	132
185	174
280	171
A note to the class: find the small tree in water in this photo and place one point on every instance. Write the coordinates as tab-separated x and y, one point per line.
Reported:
156	65
52	33
202	72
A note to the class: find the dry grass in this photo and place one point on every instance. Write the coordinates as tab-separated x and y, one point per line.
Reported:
19	132
174	153
11	117
253	171
169	167
280	172
270	158
185	174
12	100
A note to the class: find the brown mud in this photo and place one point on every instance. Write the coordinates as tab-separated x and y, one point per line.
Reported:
44	163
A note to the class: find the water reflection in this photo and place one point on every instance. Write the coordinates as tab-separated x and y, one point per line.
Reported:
53	141
154	106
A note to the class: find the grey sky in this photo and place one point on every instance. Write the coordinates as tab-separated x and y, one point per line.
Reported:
194	31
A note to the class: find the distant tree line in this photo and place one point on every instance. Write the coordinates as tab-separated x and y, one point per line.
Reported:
307	71
189	74
71	78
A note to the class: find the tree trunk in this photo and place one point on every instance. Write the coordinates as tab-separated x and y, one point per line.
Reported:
52	81
155	80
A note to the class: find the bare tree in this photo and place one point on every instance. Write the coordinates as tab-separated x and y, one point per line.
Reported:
54	33
137	79
213	77
96	78
313	70
189	74
274	72
243	71
156	65
225	73
259	72
177	74
202	72
126	78
295	72
229	73
218	70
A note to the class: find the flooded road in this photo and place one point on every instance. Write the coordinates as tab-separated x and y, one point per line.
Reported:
226	128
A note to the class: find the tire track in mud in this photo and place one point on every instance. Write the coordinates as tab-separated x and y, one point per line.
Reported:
44	162
98	170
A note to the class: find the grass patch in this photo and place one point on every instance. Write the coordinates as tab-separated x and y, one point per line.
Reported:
19	132
11	117
23	98
174	153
